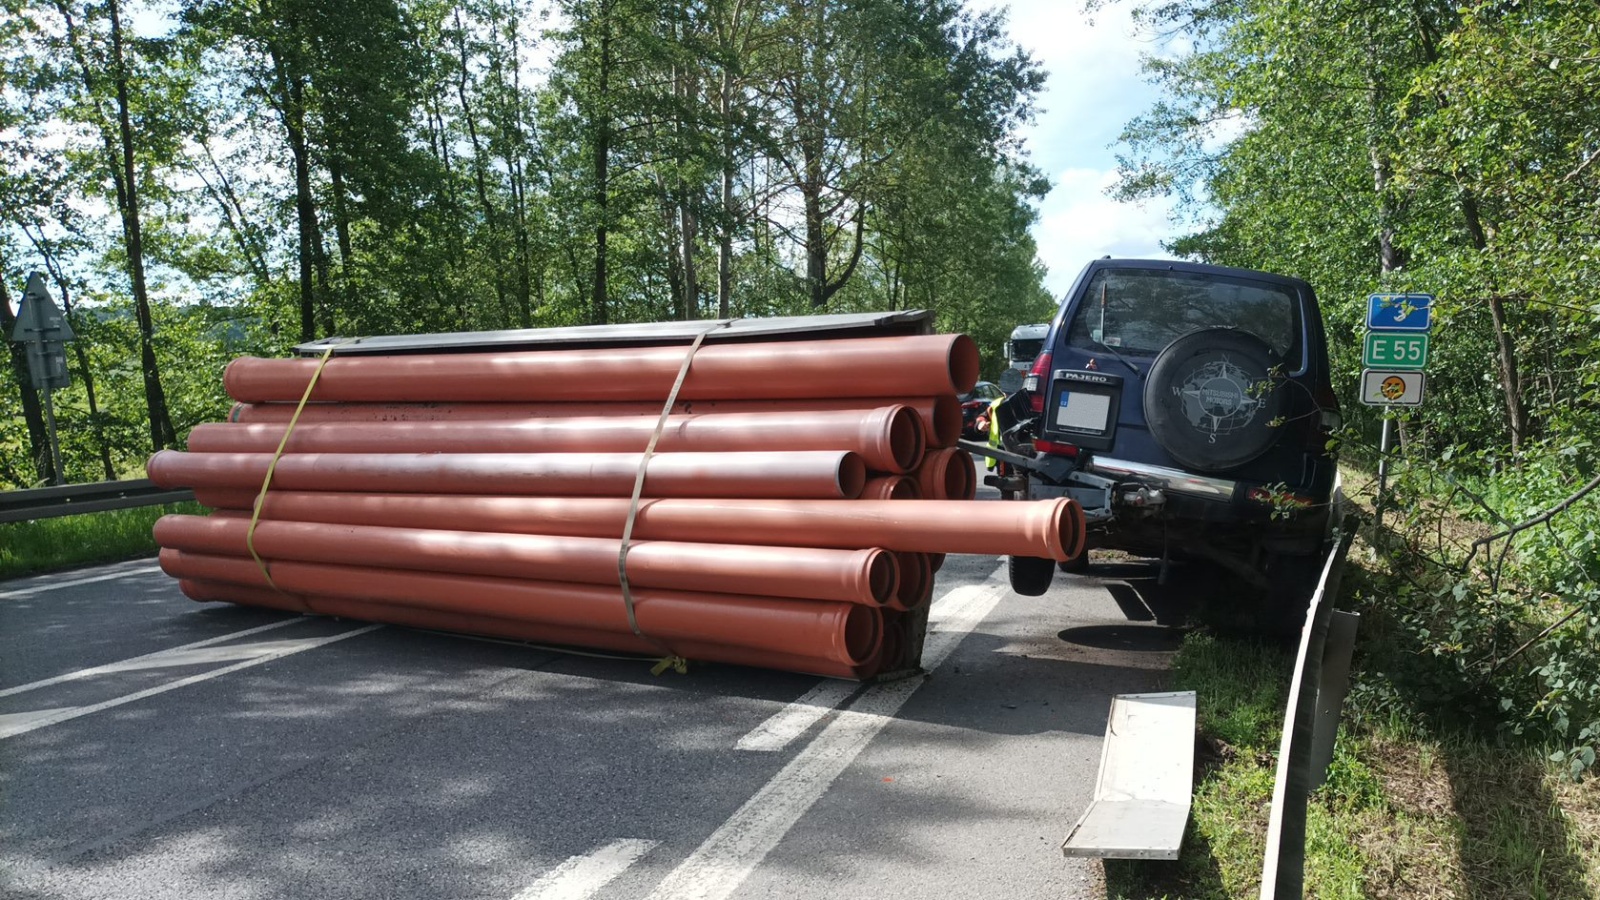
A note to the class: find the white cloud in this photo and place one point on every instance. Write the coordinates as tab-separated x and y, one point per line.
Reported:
1078	223
1095	87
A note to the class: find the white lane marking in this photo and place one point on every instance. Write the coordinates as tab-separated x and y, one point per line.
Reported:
74	582
16	720
782	727
285	648
177	655
716	869
793	720
582	877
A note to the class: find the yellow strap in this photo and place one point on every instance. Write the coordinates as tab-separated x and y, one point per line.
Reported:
255	512
669	660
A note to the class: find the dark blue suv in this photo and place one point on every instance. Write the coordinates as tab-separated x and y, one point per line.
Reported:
1188	408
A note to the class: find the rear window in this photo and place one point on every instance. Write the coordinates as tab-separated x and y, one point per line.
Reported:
1143	310
1026	348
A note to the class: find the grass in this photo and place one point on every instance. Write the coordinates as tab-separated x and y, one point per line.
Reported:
43	545
1416	806
1407	812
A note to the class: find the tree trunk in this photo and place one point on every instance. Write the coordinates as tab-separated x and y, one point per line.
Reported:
162	434
480	164
816	227
691	282
1510	379
518	173
305	206
233	213
725	229
599	313
341	214
32	409
686	89
1389	258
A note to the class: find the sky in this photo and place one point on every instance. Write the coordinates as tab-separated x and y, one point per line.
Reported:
1093	89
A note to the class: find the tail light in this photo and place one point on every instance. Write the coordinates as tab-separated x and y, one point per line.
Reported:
1328	418
1328	404
1036	381
1055	447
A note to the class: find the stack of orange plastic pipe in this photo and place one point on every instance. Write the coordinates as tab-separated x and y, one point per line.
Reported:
796	505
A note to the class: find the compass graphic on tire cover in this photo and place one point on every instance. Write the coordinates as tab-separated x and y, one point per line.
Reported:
1216	398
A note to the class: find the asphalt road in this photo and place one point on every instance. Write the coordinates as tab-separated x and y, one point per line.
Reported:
152	747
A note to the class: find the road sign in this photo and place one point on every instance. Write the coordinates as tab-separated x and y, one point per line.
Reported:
47	365
1395	350
1382	387
1400	312
40	319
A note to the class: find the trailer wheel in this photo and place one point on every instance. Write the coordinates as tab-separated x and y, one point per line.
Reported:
1030	576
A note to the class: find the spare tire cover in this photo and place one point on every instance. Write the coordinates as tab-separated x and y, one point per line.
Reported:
1210	400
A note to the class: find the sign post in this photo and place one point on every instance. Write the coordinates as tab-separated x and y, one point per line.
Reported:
43	328
1394	354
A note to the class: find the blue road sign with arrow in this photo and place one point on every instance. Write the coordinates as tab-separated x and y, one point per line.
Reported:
1400	312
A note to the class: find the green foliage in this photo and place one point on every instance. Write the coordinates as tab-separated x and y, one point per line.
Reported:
1450	149
400	166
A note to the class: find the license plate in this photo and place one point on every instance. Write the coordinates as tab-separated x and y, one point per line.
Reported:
1084	412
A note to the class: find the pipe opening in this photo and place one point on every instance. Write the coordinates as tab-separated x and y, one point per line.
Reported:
1070	531
952	480
890	487
916	581
904	489
863	633
852	476
883	575
905	438
963	363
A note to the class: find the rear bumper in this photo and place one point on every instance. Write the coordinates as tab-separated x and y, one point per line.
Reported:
1173	481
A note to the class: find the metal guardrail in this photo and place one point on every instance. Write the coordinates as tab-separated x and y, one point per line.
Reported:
1310	724
72	499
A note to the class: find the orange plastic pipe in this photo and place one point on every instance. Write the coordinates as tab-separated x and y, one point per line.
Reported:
946	475
1042	528
847	633
939	416
888	439
812	474
890	487
922	365
508	629
219	592
853	576
916	581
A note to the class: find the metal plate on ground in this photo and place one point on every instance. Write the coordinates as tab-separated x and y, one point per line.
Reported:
1142	796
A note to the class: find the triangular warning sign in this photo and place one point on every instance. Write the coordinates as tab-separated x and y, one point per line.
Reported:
40	319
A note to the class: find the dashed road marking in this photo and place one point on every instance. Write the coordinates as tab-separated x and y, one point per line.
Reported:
22	723
721	864
582	877
74	582
173	656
